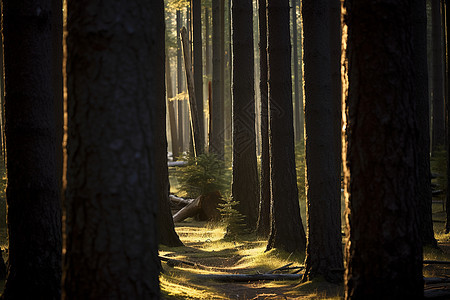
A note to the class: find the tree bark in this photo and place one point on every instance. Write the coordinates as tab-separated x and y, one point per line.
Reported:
322	106
197	58
244	187
424	197
381	144
115	68
287	231
33	198
447	203
217	134
263	225
438	126
207	43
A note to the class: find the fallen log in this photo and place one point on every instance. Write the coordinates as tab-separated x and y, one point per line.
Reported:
437	294
436	262
180	201
188	211
204	208
435	280
249	277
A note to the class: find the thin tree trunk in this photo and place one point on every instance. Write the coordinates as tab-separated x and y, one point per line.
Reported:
207	43
33	197
287	231
380	158
297	106
171	110
216	140
198	71
438	126
195	128
447	203
115	95
263	225
179	86
245	188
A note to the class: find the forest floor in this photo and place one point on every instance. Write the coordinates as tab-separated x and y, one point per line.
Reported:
206	248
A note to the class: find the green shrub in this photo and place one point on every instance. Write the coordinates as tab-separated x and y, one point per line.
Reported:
203	175
232	219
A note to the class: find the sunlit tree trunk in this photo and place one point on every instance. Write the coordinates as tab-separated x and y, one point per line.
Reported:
115	69
298	105
322	121
179	86
197	58
244	187
32	193
287	231
263	225
384	250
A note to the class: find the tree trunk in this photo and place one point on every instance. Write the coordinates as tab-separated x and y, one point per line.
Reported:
195	127
216	140
196	10
115	94
57	75
381	146
322	104
171	110
287	231
244	187
298	106
207	44
447	203
423	120
179	86
33	198
263	225
438	126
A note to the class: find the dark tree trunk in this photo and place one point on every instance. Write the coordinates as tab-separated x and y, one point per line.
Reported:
180	86
115	94
244	187
263	225
419	36
216	140
33	198
298	106
198	72
447	204
171	110
438	126
287	231
322	105
57	76
384	251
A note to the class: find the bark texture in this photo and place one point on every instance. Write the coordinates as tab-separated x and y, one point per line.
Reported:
384	251
245	188
322	123
424	198
217	134
115	70
287	231
447	103
438	125
33	198
263	225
